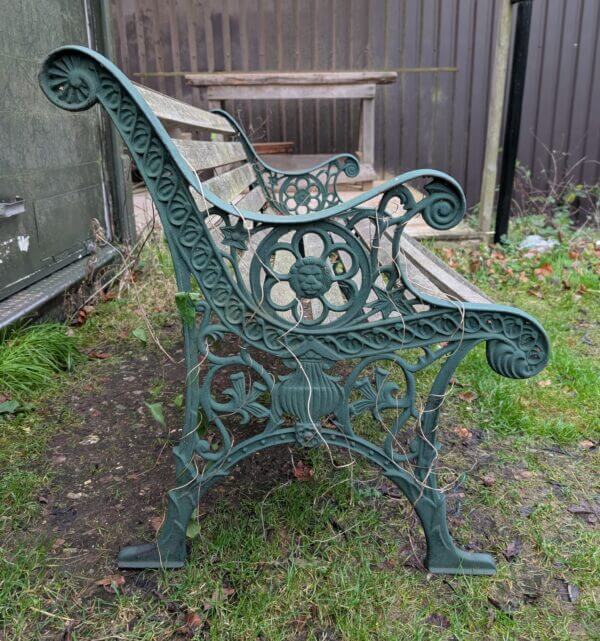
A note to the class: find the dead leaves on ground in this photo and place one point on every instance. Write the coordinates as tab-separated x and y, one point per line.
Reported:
586	510
83	314
523	475
193	623
543	271
112	583
463	433
92	354
513	549
302	472
504	264
488	480
467	396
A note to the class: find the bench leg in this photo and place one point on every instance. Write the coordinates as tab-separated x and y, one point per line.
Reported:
443	556
169	550
417	483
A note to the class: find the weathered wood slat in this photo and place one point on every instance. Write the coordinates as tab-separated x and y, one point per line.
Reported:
172	110
232	183
253	200
440	274
284	92
266	148
291	78
205	154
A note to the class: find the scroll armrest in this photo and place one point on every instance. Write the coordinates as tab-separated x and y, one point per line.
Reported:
302	191
306	190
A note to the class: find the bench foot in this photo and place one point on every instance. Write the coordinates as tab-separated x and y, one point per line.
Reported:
148	555
457	561
443	555
169	551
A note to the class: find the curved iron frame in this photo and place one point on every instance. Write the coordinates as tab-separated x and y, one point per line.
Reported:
75	78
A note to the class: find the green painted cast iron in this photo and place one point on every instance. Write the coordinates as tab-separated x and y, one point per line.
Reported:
376	320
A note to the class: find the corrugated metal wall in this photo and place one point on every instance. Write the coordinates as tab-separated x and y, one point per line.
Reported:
435	115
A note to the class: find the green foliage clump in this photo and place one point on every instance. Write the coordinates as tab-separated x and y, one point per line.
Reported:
30	356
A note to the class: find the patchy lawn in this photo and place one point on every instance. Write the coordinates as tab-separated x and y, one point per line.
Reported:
301	545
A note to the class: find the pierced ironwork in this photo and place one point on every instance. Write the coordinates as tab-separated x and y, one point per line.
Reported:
375	317
302	191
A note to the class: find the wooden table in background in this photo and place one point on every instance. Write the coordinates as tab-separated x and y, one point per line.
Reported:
296	85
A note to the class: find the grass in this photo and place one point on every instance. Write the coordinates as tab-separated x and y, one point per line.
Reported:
561	288
30	356
332	558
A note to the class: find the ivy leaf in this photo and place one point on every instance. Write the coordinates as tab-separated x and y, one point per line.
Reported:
140	334
9	407
193	528
156	410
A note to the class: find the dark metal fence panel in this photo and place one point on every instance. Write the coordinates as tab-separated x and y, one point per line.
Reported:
435	115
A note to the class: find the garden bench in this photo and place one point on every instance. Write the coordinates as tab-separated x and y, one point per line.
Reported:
336	312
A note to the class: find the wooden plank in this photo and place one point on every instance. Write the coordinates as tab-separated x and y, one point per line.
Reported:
286	92
172	110
228	185
204	154
286	147
253	200
440	274
291	78
367	132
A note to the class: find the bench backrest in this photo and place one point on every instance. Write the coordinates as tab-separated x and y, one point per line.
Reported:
207	142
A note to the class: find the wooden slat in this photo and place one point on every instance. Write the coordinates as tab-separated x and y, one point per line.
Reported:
291	78
204	154
285	92
232	183
440	274
172	110
285	147
253	200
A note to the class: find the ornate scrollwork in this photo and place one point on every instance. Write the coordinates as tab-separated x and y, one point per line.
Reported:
303	193
308	394
70	82
312	276
380	396
244	400
443	207
236	235
298	192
